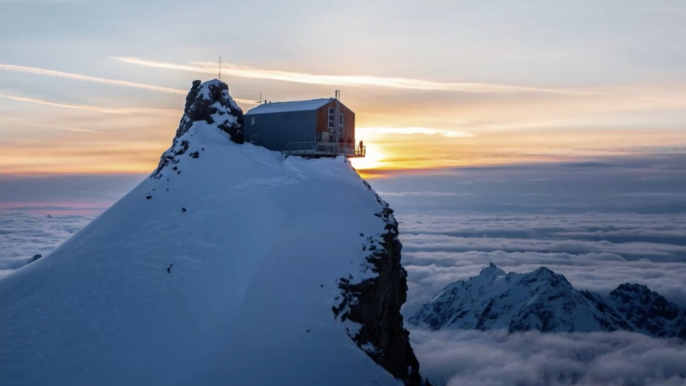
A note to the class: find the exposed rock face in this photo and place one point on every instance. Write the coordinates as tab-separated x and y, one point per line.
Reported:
544	301
375	304
209	102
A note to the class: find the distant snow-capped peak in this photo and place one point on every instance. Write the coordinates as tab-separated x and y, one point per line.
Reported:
545	301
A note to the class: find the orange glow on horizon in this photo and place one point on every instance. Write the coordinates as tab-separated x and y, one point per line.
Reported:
71	141
387	154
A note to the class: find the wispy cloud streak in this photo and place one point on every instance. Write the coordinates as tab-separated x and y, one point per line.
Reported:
86	78
106	110
93	79
346	80
69	128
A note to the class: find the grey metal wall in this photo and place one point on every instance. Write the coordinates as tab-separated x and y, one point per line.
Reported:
277	130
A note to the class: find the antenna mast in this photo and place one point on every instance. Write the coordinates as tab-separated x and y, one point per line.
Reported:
220	68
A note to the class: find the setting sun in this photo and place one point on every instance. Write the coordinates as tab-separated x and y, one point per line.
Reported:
373	160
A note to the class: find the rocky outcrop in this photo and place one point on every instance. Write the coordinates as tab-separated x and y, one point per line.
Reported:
211	103
544	301
375	303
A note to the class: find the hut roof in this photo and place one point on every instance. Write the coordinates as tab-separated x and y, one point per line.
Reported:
284	107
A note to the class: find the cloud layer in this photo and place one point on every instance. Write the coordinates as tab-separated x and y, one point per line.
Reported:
22	236
494	358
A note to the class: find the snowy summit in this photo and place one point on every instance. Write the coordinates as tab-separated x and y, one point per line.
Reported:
228	265
545	301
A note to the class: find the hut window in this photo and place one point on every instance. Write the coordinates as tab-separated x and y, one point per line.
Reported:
340	119
253	120
332	117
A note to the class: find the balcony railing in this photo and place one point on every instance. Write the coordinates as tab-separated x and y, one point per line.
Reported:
325	149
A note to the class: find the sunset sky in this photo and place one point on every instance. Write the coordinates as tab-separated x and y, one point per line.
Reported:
90	87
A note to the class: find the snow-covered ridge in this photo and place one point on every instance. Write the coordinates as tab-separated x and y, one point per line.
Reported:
228	265
545	301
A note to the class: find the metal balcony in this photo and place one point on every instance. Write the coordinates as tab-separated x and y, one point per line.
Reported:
323	149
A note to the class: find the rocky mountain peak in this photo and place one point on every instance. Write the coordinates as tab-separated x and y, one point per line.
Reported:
636	294
491	271
543	271
210	102
545	276
545	301
648	311
629	291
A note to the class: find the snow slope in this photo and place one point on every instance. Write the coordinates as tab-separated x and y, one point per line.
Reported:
544	301
221	268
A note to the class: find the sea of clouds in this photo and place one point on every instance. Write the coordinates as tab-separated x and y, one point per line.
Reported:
23	236
594	251
496	358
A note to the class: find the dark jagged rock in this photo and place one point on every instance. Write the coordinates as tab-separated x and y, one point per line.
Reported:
545	301
375	304
35	257
209	102
648	311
